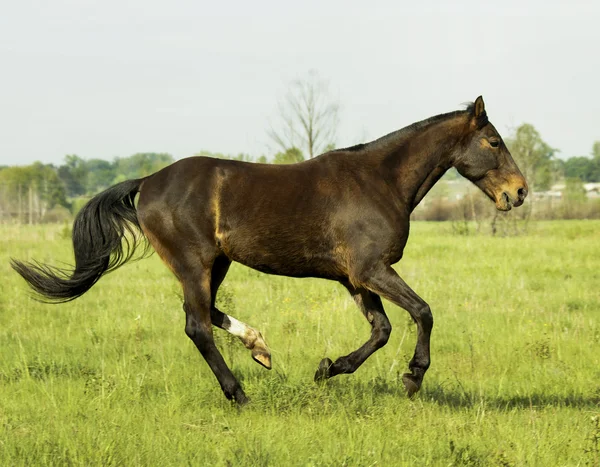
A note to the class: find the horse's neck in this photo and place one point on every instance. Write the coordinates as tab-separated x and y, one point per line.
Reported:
427	185
419	161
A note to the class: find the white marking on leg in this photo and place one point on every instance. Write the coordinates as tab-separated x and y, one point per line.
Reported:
236	327
250	337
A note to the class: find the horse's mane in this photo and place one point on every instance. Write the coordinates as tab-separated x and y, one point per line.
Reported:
482	120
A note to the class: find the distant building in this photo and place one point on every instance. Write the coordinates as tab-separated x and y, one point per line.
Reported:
592	190
555	192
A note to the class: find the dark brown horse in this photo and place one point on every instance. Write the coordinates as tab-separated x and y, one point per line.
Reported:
342	216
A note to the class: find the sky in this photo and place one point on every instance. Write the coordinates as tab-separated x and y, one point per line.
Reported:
113	78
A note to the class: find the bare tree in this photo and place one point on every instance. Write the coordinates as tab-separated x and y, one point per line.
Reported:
308	117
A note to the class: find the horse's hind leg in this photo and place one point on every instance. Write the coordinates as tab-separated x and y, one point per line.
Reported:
192	262
250	337
198	327
371	307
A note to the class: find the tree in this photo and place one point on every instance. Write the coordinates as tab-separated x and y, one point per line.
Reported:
595	177
101	174
46	184
74	175
308	117
140	165
585	168
27	192
580	167
534	157
596	151
290	156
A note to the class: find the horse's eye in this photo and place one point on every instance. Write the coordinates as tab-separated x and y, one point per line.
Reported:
494	143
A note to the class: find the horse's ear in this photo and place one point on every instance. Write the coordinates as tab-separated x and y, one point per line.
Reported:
479	107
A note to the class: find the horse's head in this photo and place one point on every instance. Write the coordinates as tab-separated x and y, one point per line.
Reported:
486	161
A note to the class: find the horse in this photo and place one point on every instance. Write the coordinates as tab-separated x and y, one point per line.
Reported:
342	216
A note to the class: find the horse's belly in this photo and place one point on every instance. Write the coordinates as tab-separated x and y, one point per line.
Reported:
285	258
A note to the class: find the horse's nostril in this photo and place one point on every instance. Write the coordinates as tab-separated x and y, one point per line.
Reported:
522	193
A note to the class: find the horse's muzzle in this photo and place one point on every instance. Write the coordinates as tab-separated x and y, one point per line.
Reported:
507	201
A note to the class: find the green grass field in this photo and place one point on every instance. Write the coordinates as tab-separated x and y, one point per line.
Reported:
112	379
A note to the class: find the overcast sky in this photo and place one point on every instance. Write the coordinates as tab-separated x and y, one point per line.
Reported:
112	78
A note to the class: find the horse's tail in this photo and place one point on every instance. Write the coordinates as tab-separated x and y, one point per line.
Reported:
105	236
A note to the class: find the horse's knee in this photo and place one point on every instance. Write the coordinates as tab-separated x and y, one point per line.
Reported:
426	317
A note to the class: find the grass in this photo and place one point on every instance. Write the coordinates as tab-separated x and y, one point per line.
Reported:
112	379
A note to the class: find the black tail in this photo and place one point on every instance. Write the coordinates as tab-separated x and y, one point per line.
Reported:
99	232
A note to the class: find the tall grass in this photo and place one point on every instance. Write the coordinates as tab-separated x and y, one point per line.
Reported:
112	379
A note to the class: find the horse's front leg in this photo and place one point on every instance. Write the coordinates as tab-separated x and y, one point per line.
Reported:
372	309
384	281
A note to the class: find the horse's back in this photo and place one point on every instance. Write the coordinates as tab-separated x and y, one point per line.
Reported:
276	219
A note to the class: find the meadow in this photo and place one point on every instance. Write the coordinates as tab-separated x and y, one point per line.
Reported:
112	379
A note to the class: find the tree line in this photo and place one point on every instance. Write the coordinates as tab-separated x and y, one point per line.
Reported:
28	193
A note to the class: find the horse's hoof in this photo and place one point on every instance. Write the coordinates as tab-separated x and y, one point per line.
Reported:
241	399
323	371
262	357
411	383
260	351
